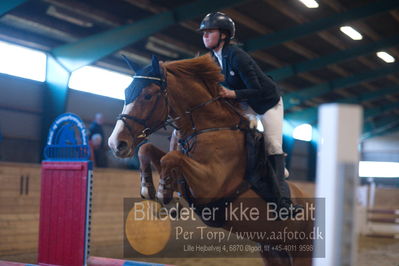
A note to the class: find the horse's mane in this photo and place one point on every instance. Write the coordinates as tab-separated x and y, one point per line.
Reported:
201	67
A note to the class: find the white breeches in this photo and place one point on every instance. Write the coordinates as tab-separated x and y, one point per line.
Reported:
272	122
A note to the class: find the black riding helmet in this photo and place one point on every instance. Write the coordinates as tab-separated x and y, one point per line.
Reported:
218	20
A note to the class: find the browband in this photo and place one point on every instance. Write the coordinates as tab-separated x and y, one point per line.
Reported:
147	77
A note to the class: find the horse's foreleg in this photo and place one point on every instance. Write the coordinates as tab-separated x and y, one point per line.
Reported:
148	154
169	174
175	166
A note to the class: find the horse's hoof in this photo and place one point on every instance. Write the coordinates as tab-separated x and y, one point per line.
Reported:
165	190
147	193
164	197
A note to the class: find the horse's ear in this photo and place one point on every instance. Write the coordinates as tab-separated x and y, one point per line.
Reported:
132	65
155	65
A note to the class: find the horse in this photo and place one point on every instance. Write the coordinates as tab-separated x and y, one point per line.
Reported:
207	159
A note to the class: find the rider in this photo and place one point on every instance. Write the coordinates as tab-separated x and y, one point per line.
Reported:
257	93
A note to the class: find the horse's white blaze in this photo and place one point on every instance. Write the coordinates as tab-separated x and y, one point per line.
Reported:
113	140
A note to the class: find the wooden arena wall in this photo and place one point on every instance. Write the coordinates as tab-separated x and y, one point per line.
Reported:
19	205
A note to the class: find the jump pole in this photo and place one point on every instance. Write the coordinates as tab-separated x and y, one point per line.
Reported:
337	178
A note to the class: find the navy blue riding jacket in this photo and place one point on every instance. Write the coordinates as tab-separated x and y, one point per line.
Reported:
243	75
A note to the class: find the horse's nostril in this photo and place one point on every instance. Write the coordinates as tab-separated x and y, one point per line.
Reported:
122	145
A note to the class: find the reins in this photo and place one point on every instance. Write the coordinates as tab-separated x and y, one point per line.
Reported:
183	142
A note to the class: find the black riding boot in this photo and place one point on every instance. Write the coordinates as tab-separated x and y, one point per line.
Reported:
280	186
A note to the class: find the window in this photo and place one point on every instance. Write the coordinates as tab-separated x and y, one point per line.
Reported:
100	81
303	132
378	169
22	62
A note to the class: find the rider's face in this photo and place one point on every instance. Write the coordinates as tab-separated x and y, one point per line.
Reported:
210	38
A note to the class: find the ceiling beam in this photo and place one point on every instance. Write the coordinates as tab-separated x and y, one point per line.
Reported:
288	71
385	129
54	96
86	11
63	60
363	28
38	26
370	126
265	57
296	98
309	115
324	35
237	16
369	113
105	19
86	51
8	5
295	32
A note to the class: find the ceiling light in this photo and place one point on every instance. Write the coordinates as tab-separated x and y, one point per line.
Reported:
310	3
386	57
351	32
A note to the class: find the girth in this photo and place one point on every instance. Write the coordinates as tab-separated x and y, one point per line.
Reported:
219	205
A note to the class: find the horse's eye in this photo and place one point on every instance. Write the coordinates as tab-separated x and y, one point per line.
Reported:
147	96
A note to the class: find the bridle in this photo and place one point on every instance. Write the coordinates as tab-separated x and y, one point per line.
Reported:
148	130
167	120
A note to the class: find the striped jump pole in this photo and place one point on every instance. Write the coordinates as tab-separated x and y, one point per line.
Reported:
98	261
383	223
388	220
382	235
384	211
10	263
93	261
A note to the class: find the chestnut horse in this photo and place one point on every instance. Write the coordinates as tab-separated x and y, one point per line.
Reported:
211	159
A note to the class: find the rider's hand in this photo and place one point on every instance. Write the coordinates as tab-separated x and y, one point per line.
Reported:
226	93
